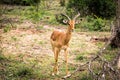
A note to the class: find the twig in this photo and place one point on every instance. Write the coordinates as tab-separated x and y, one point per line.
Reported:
10	23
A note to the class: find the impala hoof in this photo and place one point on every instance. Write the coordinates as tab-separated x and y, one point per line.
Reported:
57	73
68	75
53	74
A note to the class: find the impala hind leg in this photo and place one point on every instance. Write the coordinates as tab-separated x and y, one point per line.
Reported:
55	69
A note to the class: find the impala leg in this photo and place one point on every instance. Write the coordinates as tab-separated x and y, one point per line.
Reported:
56	53
66	61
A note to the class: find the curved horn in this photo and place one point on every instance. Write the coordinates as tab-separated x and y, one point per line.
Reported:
76	16
66	16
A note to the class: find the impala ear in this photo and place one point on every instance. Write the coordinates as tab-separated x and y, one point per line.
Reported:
65	21
78	21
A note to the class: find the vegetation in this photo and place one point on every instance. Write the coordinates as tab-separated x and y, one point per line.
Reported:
21	2
25	28
95	24
101	8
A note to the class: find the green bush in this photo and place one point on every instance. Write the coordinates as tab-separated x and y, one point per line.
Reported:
92	24
32	14
101	8
21	2
98	24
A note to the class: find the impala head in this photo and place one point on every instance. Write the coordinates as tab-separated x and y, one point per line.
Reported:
71	22
71	25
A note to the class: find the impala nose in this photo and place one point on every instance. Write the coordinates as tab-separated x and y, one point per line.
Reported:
72	30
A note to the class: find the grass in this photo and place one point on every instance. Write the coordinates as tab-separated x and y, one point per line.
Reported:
39	27
83	57
99	44
7	28
80	57
2	57
110	53
30	54
29	13
14	38
18	70
38	63
15	69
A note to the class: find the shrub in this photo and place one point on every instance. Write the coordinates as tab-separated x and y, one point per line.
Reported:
21	2
101	8
32	14
93	24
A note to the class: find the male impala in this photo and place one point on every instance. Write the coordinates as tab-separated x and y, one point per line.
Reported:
60	40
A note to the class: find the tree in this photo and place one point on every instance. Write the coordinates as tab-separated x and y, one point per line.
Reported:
116	31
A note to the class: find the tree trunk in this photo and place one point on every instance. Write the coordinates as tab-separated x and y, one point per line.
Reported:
118	62
116	40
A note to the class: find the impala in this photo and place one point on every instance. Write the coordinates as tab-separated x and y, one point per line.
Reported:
60	40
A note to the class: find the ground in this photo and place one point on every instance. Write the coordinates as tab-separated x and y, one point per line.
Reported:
27	49
32	47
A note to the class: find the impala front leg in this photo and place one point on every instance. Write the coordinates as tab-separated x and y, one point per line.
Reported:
66	62
55	69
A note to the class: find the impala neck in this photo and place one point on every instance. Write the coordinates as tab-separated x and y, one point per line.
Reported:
68	34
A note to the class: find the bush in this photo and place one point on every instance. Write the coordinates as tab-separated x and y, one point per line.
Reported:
98	24
93	24
32	14
101	8
21	2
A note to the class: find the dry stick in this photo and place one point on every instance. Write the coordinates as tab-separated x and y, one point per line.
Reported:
106	65
100	52
10	23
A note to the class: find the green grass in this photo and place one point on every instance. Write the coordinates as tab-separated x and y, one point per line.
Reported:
110	53
40	66
80	57
39	28
7	28
18	70
29	13
2	57
14	38
99	44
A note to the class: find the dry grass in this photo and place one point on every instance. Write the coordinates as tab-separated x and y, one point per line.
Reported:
28	45
33	47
